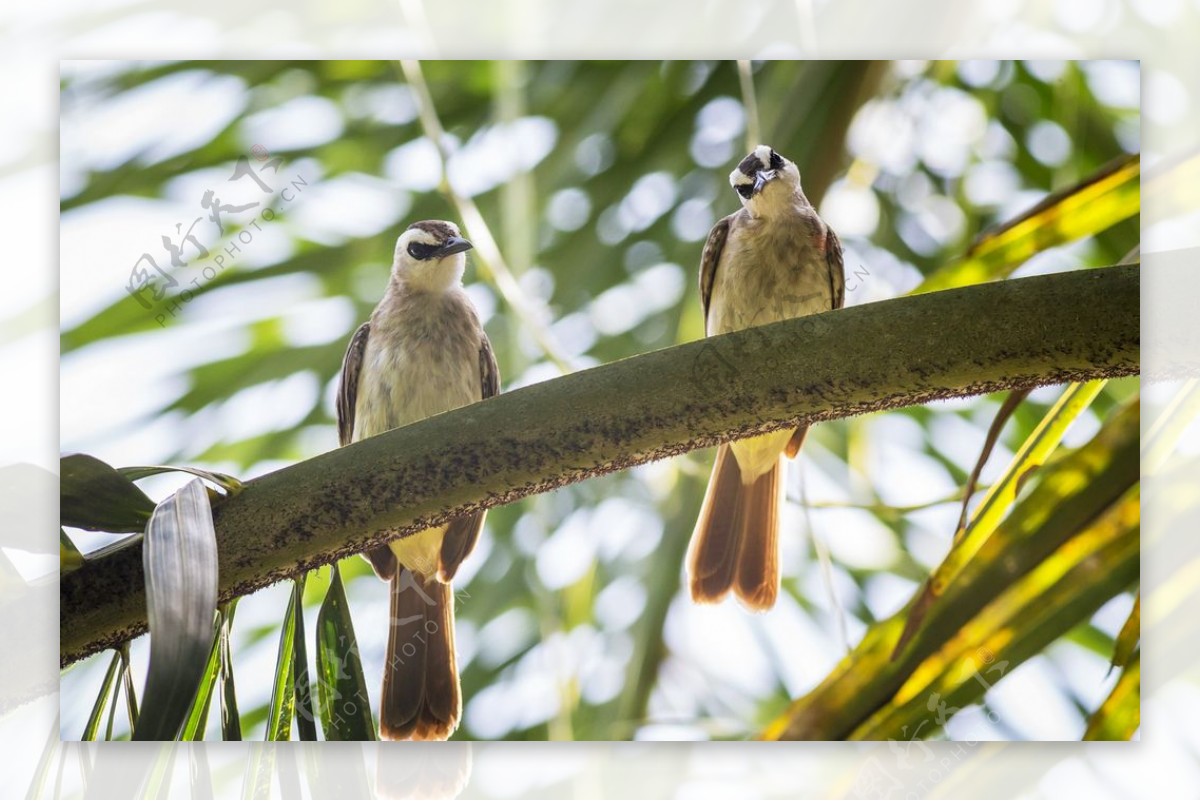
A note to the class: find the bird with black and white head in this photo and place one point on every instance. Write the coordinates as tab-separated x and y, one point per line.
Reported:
772	260
423	352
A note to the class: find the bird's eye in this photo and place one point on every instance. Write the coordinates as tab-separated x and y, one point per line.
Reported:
420	251
776	161
745	190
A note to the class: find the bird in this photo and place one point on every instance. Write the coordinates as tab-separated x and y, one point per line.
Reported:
771	260
423	351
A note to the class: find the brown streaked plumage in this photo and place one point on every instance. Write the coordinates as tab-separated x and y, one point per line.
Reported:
773	259
423	352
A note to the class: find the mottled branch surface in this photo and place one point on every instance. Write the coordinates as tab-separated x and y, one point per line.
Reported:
1028	332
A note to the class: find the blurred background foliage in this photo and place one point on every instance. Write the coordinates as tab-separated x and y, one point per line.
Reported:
599	182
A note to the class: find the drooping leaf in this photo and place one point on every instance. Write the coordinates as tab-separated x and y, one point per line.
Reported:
1129	636
180	563
1067	588
1077	487
131	704
197	719
341	686
306	724
1014	399
231	724
113	547
1120	714
69	557
1102	200
1030	457
112	707
228	483
96	497
283	695
107	687
1071	493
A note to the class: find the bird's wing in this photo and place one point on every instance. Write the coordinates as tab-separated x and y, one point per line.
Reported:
383	561
381	558
837	298
347	395
489	371
710	257
463	532
837	272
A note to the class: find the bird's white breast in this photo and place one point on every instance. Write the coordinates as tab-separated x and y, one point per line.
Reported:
421	361
769	272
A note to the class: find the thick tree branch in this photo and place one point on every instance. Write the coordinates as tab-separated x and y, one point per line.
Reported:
1028	332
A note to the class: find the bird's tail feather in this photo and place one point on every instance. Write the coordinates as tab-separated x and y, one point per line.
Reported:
736	541
421	697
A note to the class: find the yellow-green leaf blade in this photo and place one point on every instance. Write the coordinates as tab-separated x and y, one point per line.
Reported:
1000	497
1071	584
1129	636
1095	204
283	697
1120	714
92	728
193	727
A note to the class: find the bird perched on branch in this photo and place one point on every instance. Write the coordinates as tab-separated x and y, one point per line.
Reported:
423	352
772	260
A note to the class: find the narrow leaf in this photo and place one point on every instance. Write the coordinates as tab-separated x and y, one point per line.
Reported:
1082	483
279	718
1031	456
1129	636
970	539
69	557
1120	714
226	482
306	724
106	689
197	719
1096	565
180	563
1009	406
341	686
131	705
113	547
1097	203
231	722
1072	493
94	496
112	707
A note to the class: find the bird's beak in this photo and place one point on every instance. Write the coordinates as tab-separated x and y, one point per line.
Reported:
760	180
455	244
